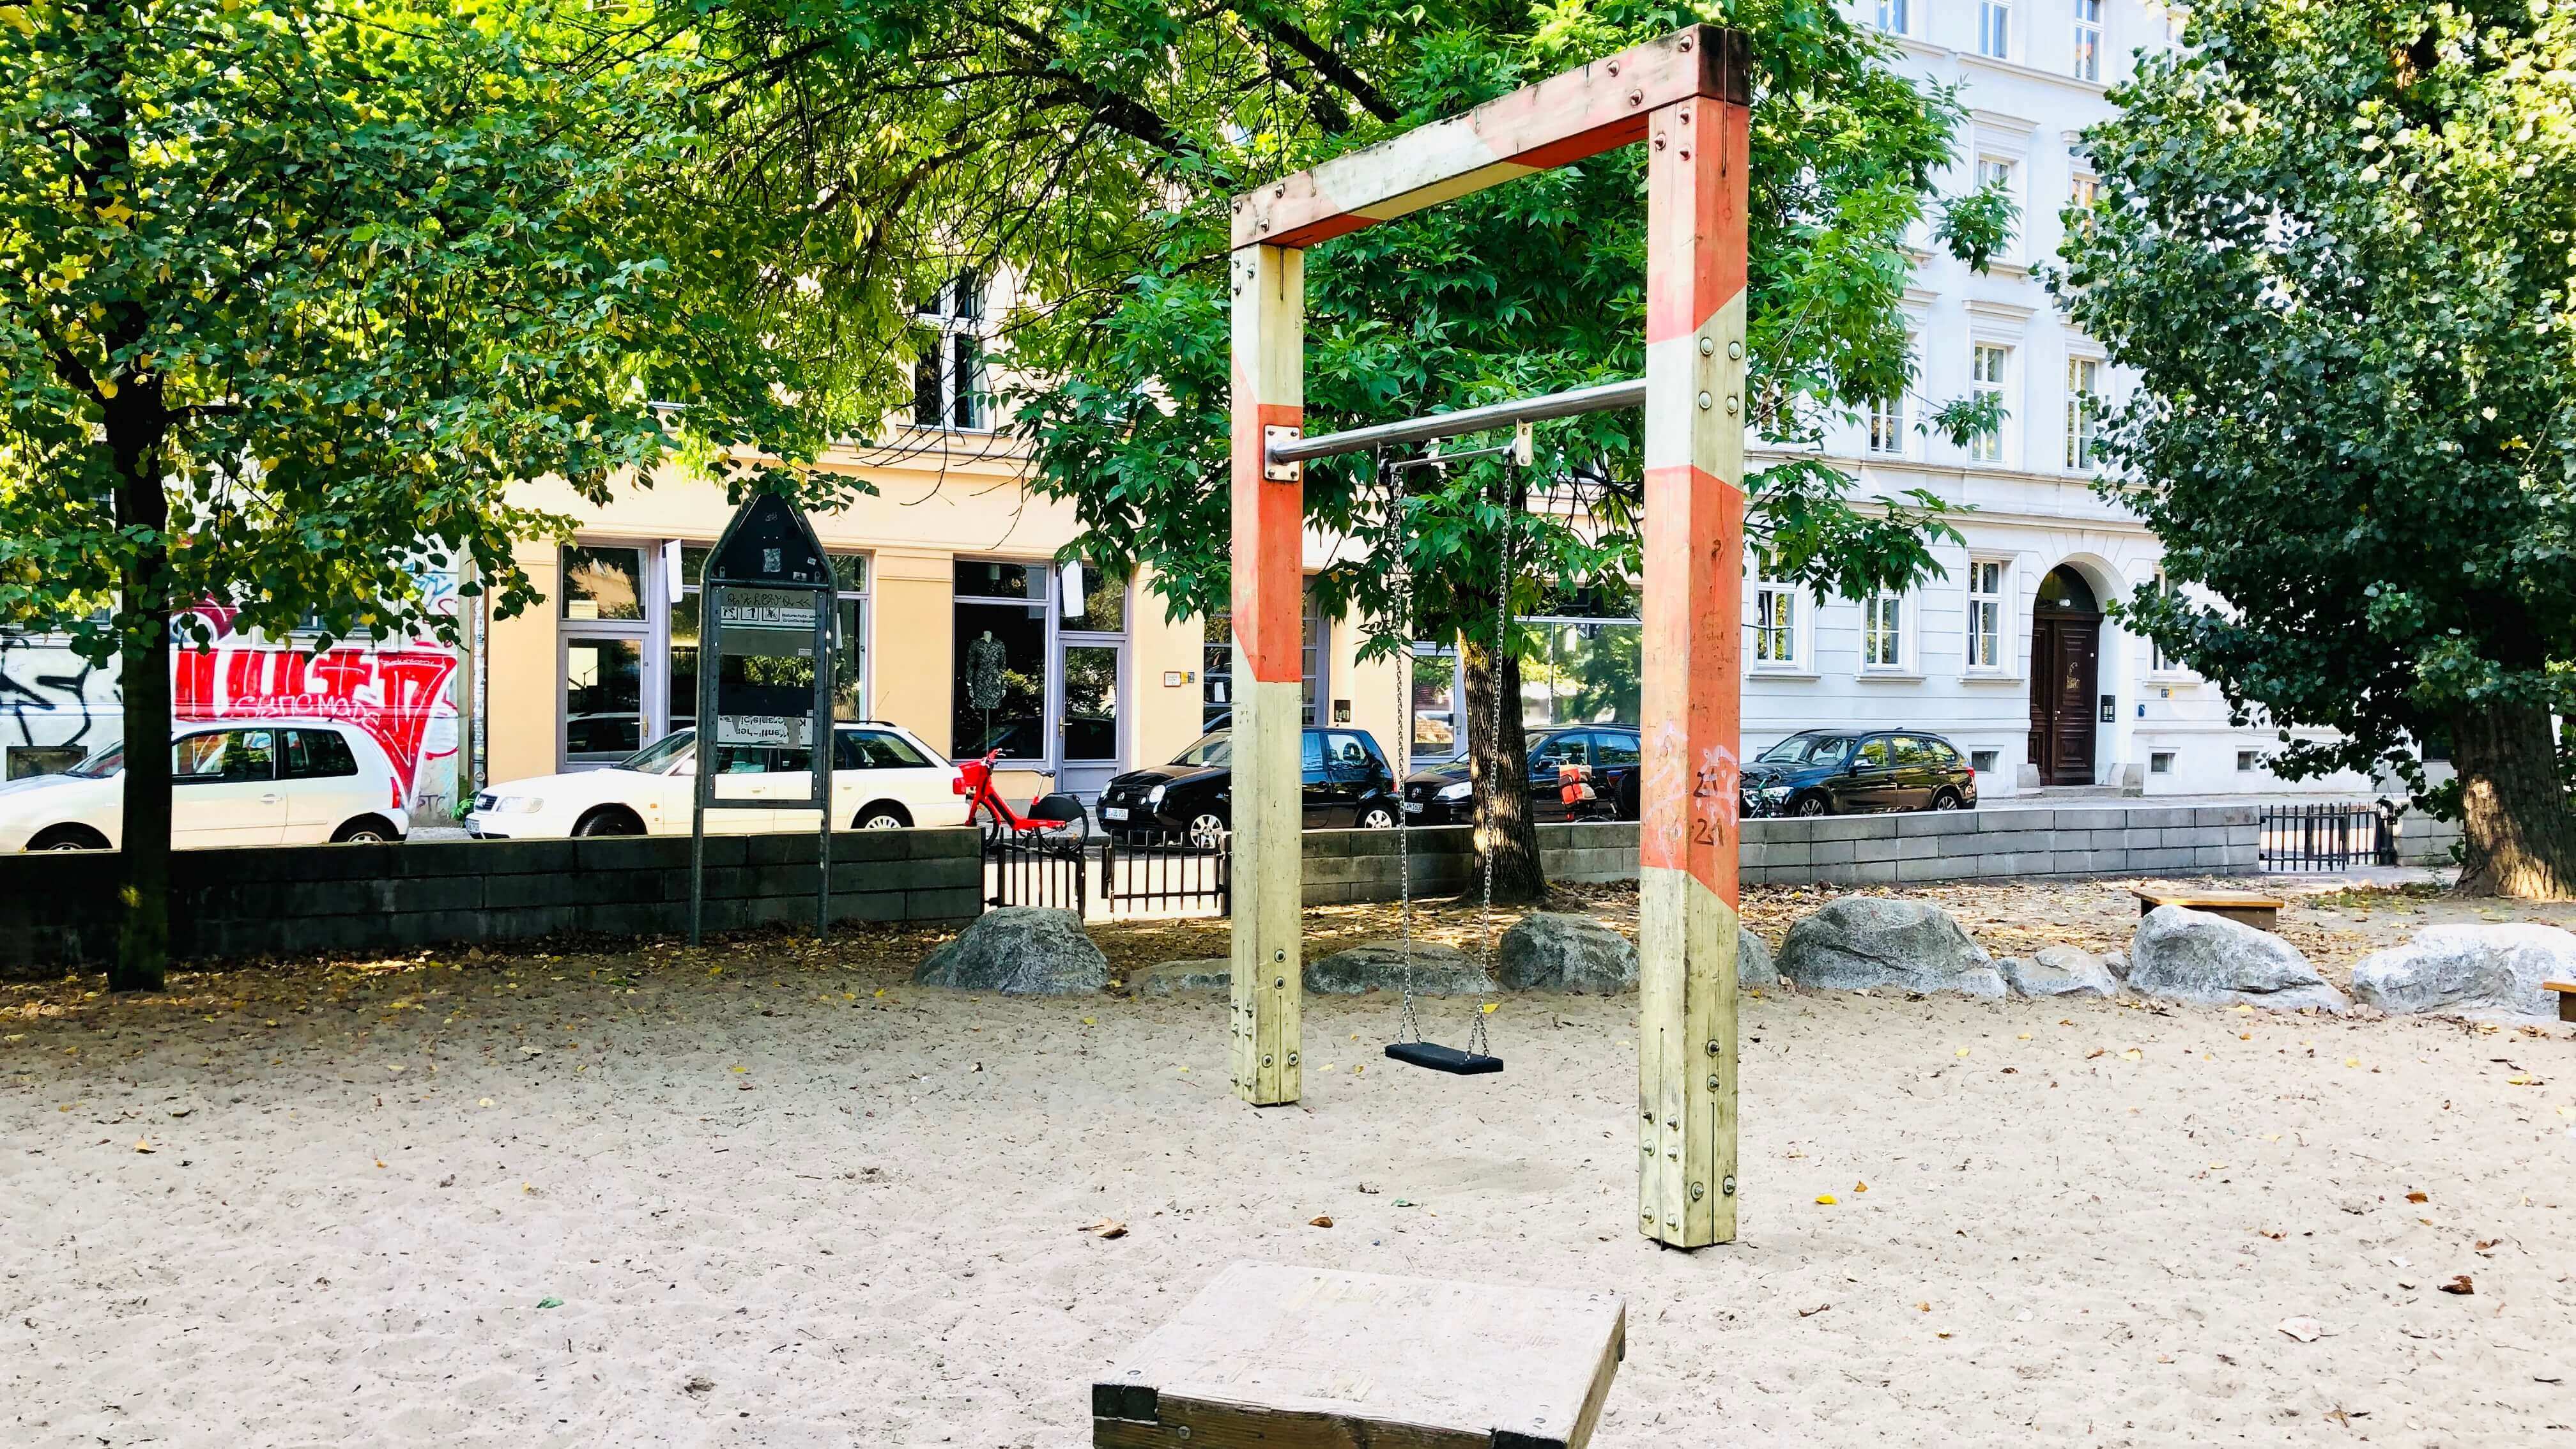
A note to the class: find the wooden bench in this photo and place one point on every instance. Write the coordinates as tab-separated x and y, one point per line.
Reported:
2566	998
1310	1358
2260	912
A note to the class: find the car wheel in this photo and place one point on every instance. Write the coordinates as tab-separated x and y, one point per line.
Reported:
1376	817
68	837
1207	830
609	820
366	830
883	815
1809	806
1948	800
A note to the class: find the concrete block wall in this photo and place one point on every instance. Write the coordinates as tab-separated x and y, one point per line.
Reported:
57	911
1991	844
2423	840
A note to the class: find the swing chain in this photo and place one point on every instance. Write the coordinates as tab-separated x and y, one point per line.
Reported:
1476	1044
1408	1025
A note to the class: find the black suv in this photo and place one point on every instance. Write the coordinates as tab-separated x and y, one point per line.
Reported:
1444	797
1855	772
1347	784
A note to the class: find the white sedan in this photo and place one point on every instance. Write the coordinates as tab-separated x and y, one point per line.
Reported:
883	778
232	782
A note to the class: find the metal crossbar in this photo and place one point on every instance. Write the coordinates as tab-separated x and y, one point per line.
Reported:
1599	398
2324	837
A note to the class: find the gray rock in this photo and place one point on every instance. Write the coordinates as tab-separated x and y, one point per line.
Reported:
2469	968
1753	960
1379	966
2118	961
2208	960
1858	942
2059	971
1173	978
1019	951
1553	951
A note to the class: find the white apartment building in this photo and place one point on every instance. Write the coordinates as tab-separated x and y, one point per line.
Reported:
2009	655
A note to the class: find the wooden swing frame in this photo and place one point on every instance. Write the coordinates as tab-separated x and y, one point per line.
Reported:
1687	96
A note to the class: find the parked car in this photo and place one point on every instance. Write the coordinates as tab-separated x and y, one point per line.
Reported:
1346	784
232	782
1852	772
1613	754
883	778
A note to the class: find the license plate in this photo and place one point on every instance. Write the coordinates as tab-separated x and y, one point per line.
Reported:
1113	812
1412	807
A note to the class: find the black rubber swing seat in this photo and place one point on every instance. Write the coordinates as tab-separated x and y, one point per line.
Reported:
1443	1059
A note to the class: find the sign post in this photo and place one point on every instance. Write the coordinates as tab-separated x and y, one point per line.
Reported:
768	607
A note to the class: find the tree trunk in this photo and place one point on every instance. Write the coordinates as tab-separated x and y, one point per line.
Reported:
1506	832
2520	834
143	940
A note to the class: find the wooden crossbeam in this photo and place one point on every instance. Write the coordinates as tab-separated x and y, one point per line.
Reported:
1560	120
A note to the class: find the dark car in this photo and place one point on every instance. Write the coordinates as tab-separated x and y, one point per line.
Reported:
1857	772
1612	752
1347	784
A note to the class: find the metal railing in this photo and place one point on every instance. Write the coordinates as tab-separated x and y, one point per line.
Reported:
2295	838
1167	874
1036	868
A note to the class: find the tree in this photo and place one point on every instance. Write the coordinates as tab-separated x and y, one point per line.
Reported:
2338	242
1528	288
290	296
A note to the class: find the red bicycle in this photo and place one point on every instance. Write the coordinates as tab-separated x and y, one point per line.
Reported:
1054	815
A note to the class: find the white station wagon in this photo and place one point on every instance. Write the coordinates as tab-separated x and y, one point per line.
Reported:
883	778
232	782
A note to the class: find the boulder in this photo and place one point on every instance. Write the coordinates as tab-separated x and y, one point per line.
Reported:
2469	968
2207	960
1859	942
1379	966
1753	960
1191	976
1553	951
2059	971
1019	951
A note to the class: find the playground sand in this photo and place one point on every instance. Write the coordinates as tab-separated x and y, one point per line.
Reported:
742	1198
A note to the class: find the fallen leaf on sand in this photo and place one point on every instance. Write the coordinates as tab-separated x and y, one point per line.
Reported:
699	1385
2460	1285
1963	1051
1812	1312
550	1303
1319	1221
2419	1197
2097	1051
141	1145
1925	1307
2487	1244
2305	1330
1105	1228
1825	1198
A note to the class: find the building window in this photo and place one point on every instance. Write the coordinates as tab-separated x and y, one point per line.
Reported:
1986	613
1775	616
603	584
605	640
2002	174
849	640
1989	364
2083	409
2158	661
2088	40
999	694
1882	632
1887	426
1893	16
2160	762
948	368
1984	761
1994	28
2081	189
2247	761
1439	705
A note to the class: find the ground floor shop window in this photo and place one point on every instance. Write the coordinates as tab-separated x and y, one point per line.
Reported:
630	619
1216	671
1001	679
1038	666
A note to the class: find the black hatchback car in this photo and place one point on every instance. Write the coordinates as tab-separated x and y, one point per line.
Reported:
1347	784
1613	752
1855	772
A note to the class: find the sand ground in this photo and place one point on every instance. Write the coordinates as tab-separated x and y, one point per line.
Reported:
770	1194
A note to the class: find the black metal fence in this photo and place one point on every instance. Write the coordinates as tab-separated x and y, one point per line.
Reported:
1167	873
2325	837
1036	868
1135	875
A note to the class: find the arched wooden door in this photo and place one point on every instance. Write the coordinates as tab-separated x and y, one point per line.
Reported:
2065	675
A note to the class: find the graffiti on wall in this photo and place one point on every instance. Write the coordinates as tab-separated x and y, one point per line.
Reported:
398	695
52	697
